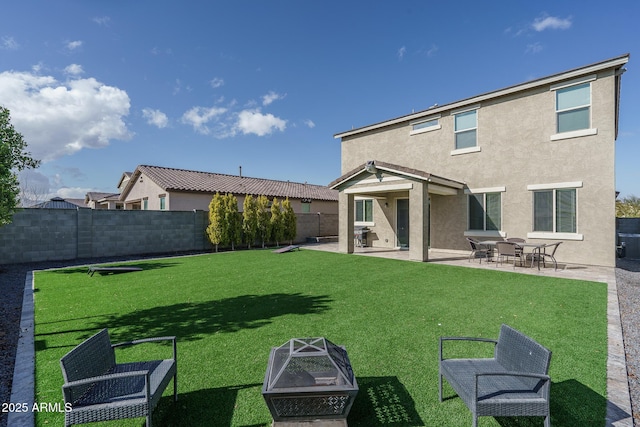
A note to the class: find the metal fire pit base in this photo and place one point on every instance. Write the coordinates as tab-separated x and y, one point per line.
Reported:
315	423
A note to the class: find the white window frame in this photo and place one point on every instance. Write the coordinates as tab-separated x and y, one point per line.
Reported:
580	132
424	129
484	192
362	223
553	234
465	150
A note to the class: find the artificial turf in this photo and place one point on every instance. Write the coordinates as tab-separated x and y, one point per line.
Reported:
229	309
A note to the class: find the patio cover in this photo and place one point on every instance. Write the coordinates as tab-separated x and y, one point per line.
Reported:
375	179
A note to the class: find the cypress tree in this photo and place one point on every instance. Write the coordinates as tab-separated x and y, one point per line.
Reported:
288	221
232	220
250	219
216	220
275	223
262	222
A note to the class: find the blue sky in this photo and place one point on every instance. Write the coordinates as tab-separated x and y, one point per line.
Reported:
99	87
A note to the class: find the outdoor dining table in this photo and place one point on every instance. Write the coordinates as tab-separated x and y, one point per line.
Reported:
535	247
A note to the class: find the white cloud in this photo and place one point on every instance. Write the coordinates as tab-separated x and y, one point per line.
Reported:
309	123
74	69
270	97
534	48
102	20
74	45
8	43
155	117
253	121
216	82
551	22
58	119
401	52
179	87
73	192
200	118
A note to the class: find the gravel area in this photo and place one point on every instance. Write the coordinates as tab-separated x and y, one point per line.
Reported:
12	278
628	284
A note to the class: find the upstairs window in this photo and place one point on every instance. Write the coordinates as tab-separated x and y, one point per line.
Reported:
428	125
573	108
466	127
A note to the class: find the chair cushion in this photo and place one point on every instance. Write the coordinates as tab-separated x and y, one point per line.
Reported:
497	395
131	388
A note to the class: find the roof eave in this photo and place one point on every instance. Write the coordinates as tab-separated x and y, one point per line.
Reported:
610	63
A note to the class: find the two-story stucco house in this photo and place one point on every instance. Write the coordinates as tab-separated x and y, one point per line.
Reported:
161	188
534	160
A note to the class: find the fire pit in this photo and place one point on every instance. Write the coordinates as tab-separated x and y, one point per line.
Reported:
309	379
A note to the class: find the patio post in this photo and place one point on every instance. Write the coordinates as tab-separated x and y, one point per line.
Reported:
419	221
346	209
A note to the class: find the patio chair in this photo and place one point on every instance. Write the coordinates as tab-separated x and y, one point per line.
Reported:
506	250
542	254
517	240
478	250
96	388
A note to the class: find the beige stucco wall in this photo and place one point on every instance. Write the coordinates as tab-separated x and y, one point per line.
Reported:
144	187
514	136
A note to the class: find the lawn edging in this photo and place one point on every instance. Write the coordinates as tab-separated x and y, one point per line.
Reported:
23	385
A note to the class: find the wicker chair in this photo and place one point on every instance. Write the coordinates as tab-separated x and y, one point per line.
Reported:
517	240
515	382
478	251
507	250
99	389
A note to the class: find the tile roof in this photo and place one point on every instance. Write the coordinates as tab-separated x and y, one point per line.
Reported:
92	195
207	182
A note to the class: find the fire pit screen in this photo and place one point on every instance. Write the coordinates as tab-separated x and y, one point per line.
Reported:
307	379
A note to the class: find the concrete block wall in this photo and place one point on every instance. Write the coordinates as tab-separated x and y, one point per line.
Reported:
628	225
65	234
145	232
51	234
315	224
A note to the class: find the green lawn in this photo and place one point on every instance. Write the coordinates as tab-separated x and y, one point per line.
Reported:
229	309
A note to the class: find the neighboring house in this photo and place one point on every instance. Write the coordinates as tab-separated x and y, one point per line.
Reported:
160	188
60	203
97	200
535	160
